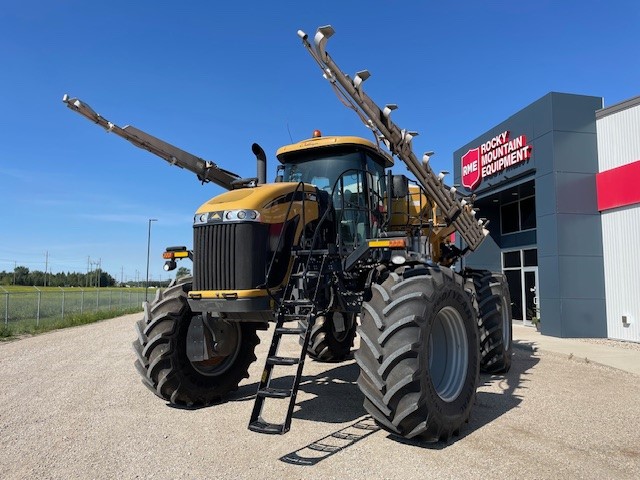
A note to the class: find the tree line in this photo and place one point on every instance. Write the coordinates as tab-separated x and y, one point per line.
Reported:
98	278
23	276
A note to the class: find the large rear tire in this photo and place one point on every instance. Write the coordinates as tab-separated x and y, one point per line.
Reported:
332	336
493	305
161	349
418	356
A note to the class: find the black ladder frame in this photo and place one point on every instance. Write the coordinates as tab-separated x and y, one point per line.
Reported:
290	310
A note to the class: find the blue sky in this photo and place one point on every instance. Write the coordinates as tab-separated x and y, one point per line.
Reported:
214	77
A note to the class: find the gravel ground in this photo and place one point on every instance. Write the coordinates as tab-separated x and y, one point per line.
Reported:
73	407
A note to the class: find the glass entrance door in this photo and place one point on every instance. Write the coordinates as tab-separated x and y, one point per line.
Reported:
521	269
514	280
530	293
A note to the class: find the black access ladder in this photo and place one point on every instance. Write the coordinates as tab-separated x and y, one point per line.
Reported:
298	306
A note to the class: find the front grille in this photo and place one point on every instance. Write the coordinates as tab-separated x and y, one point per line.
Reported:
229	256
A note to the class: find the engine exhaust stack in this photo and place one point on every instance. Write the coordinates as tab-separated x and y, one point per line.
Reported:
261	160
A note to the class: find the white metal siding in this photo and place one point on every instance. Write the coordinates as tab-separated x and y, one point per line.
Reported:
621	245
618	138
619	144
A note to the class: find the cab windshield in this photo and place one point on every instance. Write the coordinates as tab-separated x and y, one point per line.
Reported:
354	181
321	169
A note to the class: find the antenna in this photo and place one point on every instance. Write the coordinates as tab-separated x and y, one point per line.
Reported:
288	130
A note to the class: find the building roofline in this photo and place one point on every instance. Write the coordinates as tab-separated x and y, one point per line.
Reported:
618	107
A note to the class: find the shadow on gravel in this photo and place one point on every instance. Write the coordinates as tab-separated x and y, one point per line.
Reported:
331	444
339	399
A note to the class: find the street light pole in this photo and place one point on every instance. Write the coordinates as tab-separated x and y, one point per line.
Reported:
146	289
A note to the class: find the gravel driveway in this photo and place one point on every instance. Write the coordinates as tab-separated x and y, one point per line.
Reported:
72	406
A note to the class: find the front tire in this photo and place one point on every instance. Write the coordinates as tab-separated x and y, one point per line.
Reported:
161	349
418	356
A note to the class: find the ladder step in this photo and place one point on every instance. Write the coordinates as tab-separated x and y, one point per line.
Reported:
290	331
309	274
318	251
282	360
274	392
261	426
288	317
298	303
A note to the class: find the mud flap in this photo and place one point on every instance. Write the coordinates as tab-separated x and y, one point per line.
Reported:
196	348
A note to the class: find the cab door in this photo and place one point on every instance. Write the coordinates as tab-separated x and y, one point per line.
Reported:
351	204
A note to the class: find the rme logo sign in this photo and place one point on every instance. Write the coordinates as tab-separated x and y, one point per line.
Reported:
492	157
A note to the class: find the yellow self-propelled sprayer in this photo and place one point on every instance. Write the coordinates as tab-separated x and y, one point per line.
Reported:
337	245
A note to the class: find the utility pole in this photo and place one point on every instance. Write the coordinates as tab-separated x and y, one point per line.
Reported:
15	266
46	267
148	251
95	267
121	275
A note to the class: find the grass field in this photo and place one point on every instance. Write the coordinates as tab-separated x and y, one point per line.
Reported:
26	289
31	310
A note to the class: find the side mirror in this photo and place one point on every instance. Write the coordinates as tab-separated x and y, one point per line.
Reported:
399	186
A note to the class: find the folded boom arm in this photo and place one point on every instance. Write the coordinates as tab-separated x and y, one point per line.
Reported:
457	212
206	171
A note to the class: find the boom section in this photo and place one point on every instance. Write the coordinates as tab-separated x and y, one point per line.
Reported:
206	171
458	212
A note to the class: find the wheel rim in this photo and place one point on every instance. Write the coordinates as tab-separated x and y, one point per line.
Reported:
448	354
218	364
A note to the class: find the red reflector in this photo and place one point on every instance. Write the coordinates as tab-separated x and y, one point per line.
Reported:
317	134
397	243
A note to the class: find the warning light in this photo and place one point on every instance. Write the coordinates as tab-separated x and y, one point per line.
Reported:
317	134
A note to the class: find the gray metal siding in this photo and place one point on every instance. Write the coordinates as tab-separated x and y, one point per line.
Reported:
561	128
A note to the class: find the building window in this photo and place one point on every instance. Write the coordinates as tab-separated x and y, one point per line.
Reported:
518	216
511	259
528	213
530	257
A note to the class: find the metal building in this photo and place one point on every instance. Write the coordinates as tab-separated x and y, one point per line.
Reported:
618	188
534	177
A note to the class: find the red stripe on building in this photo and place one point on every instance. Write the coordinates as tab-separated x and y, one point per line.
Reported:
619	186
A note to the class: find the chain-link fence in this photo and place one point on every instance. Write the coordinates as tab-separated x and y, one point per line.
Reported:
42	305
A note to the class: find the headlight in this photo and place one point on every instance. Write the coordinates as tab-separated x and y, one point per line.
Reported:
200	218
241	215
227	216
